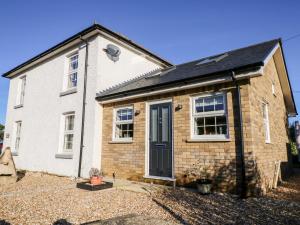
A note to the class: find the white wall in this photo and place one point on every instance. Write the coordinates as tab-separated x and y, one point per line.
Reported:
43	107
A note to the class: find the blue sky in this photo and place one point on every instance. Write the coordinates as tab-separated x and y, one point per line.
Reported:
176	30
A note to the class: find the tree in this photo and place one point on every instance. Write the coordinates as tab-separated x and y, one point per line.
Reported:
1	132
292	132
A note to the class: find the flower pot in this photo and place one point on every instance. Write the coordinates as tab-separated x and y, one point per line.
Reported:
96	180
204	186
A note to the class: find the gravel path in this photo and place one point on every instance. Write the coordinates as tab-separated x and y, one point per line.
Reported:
44	199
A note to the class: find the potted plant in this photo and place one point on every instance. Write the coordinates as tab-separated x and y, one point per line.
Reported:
95	176
204	183
201	178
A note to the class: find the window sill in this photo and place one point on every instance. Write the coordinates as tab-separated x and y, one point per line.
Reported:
18	106
14	153
64	156
68	92
194	140
121	142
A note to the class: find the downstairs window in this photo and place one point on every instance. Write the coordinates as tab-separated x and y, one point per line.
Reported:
209	117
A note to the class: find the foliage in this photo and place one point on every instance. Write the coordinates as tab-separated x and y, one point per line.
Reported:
292	132
1	132
94	172
199	170
294	149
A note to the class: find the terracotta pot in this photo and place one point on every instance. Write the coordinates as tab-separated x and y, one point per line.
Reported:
96	180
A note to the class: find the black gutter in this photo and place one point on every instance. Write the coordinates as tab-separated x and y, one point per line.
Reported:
205	77
83	104
242	144
80	34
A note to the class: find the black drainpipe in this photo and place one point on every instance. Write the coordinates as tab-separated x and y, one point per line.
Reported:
83	103
242	147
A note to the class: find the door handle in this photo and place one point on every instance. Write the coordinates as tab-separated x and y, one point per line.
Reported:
160	144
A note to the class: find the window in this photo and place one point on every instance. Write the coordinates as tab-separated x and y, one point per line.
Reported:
266	122
212	59
273	88
21	91
68	132
209	118
71	81
123	123
18	135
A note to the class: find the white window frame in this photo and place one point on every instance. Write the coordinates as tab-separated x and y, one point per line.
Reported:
21	91
115	123
67	132
70	71
194	115
266	122
18	130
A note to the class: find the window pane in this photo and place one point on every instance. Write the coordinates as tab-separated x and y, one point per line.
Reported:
165	124
219	103
129	114
130	134
69	123
72	80
154	125
199	121
221	120
208	104
68	142
210	130
199	130
222	129
124	114
124	130
73	63
199	105
209	121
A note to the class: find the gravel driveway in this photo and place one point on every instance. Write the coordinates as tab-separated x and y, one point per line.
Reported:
45	199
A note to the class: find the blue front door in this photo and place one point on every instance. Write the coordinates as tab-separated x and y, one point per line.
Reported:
160	140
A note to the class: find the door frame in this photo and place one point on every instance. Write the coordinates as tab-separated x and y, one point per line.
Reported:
147	127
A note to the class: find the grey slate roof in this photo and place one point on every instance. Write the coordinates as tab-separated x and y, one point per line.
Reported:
237	60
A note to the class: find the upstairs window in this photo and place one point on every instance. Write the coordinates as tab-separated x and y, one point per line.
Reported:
123	124
68	132
266	122
21	91
209	117
71	81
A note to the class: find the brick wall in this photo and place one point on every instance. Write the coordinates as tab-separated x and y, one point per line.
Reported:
222	158
266	154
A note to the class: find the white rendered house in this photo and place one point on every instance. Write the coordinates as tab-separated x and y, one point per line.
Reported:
48	126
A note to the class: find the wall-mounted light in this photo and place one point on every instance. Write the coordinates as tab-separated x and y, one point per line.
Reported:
178	107
137	112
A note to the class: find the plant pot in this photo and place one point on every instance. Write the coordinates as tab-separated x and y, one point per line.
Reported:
204	186
96	180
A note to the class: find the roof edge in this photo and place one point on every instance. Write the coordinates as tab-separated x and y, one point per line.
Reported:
255	68
288	78
80	34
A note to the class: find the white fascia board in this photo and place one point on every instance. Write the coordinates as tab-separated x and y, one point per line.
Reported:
269	57
185	87
177	88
